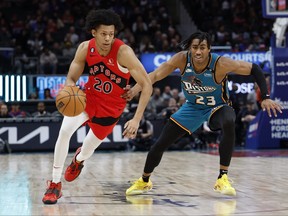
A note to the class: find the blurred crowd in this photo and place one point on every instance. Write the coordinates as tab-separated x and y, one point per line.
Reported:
45	34
235	23
49	31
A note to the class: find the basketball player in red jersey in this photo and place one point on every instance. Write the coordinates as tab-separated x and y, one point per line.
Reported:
110	63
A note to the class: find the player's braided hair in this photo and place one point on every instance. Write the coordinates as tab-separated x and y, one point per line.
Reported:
95	18
185	45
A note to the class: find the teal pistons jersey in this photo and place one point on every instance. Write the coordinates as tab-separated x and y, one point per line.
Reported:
200	88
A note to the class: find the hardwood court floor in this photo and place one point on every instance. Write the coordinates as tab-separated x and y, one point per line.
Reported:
183	185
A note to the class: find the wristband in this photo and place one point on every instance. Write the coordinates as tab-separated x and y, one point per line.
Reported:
260	80
265	96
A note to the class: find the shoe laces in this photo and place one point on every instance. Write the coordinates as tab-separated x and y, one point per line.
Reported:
137	181
226	180
76	166
51	186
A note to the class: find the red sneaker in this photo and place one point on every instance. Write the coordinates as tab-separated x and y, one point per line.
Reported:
53	193
74	169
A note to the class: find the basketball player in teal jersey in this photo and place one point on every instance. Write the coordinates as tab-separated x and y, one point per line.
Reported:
204	83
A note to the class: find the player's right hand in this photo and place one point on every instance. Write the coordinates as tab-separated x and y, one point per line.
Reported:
130	129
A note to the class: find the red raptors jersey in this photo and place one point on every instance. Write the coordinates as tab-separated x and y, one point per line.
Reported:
106	82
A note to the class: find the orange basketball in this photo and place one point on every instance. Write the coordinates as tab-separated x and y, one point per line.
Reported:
70	101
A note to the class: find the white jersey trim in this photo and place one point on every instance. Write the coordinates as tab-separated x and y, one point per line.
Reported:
122	69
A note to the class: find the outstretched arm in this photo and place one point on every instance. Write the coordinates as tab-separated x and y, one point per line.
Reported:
227	65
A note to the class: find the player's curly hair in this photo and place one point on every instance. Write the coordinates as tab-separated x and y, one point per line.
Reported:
186	44
95	18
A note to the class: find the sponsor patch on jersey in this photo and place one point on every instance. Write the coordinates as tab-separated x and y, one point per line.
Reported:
110	62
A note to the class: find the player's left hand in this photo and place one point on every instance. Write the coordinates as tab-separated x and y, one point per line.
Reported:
271	107
130	129
129	93
125	94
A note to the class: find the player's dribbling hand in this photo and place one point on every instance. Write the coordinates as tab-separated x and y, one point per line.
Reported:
130	129
271	107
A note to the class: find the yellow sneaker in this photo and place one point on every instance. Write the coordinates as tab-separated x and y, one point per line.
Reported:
223	186
139	187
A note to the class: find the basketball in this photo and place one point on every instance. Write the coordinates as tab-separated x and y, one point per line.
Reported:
71	101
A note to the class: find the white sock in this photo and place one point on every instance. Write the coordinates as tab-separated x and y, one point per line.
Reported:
90	143
56	175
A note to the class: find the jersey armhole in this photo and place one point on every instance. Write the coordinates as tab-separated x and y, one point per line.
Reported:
214	71
122	69
187	58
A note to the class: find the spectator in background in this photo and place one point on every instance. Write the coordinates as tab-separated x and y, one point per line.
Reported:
48	39
252	97
168	111
153	26
57	48
72	36
139	28
245	116
167	92
234	99
34	44
5	36
68	18
157	40
69	51
21	61
48	62
1	102
127	36
181	100
175	94
4	112
156	102
41	111
47	94
133	104
145	44
16	112
32	96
